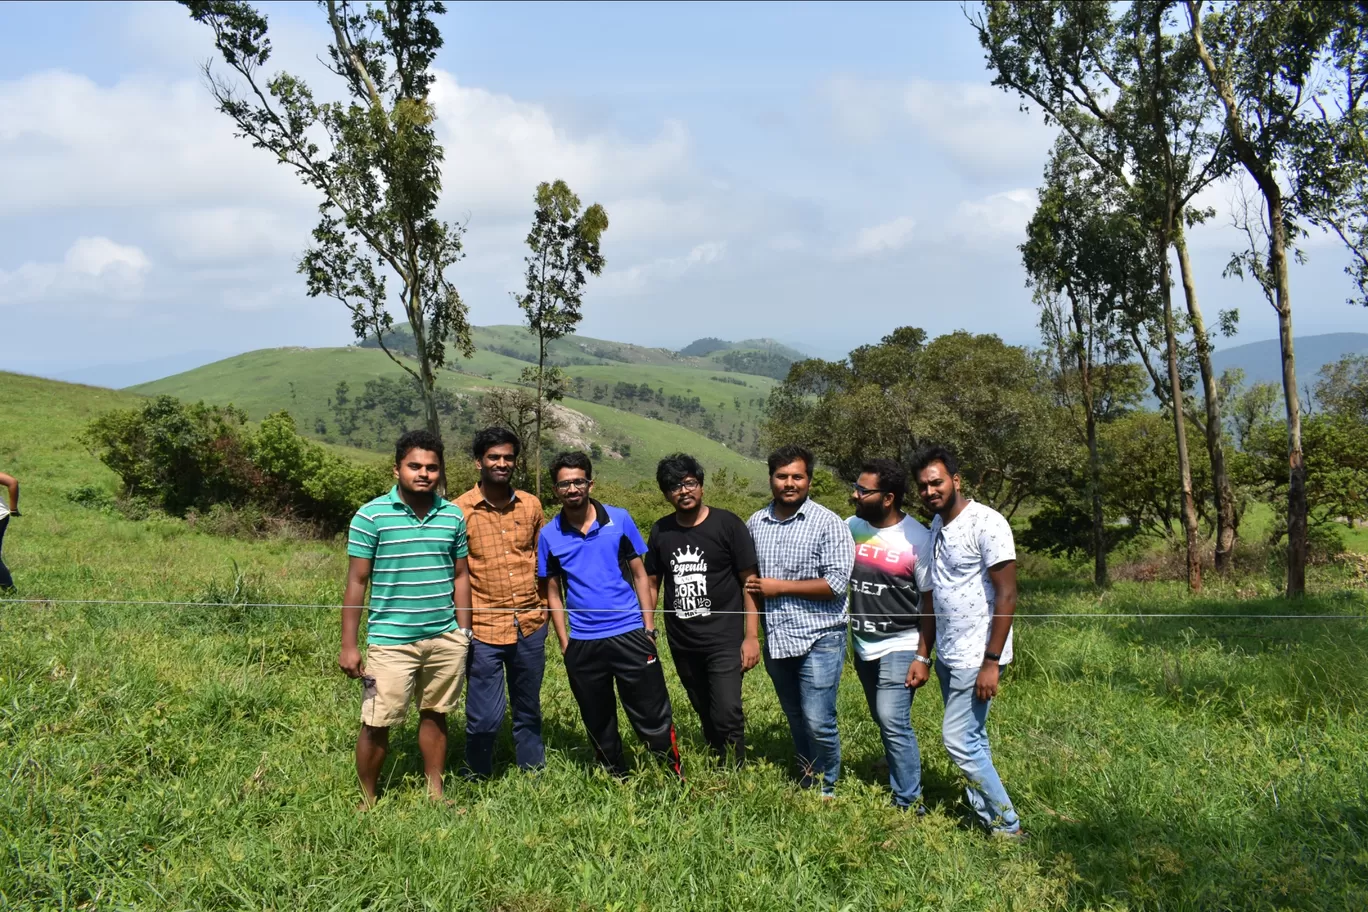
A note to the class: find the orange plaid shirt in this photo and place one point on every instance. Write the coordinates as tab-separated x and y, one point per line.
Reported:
503	565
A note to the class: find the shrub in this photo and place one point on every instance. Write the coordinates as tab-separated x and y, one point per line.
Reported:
203	461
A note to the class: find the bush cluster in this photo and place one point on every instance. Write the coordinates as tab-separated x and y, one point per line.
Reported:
204	460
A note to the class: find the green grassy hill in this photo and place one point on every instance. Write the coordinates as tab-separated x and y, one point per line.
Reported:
303	381
720	395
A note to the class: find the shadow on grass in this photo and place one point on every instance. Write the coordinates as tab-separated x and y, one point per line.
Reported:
1153	860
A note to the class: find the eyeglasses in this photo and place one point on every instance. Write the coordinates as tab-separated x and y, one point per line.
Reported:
572	483
861	490
693	484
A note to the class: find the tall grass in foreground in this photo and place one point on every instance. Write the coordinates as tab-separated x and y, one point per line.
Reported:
199	757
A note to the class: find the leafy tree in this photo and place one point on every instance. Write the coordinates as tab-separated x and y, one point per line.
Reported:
1128	92
564	244
1140	473
1080	255
1343	387
378	169
988	400
1336	466
1246	409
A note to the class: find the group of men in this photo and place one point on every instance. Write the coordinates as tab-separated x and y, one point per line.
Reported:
462	592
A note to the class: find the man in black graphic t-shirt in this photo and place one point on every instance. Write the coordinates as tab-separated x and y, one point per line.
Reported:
704	556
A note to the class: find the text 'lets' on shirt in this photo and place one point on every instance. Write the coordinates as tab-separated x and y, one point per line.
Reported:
892	569
698	566
962	551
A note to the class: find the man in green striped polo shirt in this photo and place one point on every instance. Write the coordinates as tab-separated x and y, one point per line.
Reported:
410	546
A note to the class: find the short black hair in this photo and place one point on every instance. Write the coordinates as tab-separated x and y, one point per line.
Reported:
892	478
571	460
418	440
491	437
790	453
676	467
935	453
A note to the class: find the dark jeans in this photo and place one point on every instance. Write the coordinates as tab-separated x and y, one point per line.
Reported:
630	660
712	679
525	663
807	686
6	581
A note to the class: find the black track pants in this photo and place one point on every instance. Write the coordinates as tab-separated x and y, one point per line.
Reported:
629	659
713	681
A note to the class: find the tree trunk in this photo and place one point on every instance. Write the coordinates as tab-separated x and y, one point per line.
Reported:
427	381
536	443
1224	493
1099	529
1189	505
1296	481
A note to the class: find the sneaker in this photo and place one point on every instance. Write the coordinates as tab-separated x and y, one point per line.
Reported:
1017	835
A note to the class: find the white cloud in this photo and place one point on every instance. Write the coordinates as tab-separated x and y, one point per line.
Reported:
499	149
234	233
997	219
884	238
978	129
637	278
93	266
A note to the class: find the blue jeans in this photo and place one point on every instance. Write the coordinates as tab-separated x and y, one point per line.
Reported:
525	661
807	687
966	739
890	703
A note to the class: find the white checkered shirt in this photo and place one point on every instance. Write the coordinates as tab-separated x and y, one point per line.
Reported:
814	543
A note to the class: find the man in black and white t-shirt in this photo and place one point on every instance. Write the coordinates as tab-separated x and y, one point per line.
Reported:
887	595
973	578
704	556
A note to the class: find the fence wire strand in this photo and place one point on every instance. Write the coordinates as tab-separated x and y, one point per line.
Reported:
1019	615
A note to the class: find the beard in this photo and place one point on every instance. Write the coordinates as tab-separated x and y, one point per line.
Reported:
869	513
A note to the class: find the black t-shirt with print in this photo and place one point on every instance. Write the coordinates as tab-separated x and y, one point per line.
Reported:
698	567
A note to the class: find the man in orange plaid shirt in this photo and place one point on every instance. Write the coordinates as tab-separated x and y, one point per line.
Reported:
509	620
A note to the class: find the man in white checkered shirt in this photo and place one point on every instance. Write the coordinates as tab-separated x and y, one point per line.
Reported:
805	554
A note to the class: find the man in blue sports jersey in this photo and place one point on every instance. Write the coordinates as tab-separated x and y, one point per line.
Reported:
589	561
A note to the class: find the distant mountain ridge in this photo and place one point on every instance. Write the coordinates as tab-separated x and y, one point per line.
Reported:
701	348
1262	361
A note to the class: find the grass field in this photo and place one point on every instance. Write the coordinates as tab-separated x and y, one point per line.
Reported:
198	757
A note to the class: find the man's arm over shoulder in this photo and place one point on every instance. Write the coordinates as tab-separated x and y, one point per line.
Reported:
837	555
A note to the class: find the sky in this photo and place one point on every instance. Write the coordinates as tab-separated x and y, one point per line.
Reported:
819	174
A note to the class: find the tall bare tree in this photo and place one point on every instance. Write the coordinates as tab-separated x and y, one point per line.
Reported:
1263	59
378	168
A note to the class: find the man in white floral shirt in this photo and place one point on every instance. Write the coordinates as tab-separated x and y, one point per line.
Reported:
973	580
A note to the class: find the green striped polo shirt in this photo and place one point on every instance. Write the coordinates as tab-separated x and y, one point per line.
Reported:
412	567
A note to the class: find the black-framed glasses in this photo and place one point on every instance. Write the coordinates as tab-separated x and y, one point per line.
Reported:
691	484
576	483
861	490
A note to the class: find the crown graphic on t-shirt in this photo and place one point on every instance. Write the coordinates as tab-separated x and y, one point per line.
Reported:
687	555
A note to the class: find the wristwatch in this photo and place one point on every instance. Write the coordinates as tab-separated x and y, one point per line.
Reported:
992	656
468	631
651	632
925	660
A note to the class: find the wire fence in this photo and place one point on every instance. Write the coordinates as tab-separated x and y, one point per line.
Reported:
1019	615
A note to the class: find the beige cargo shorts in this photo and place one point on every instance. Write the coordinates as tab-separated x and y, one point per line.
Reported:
433	671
